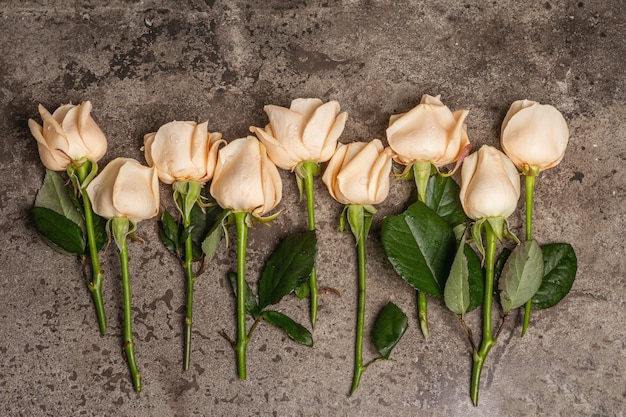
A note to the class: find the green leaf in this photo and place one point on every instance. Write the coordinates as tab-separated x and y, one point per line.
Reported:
303	290
420	246
442	196
213	238
294	330
457	293
59	230
389	327
205	220
169	232
476	278
521	276
54	195
559	268
289	266
251	305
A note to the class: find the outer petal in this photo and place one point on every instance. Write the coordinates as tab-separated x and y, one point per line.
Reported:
135	192
51	159
516	106
380	177
236	182
54	136
92	136
77	149
317	128
271	182
333	136
279	154
100	189
170	151
354	178
305	106
422	133
215	140
457	141
332	169
288	127
198	152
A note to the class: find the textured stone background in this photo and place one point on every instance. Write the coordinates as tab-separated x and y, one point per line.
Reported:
145	63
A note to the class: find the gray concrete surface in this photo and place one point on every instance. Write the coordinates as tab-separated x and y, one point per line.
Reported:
144	63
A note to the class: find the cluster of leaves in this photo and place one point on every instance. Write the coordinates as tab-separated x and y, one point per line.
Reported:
286	271
59	218
288	268
206	230
426	247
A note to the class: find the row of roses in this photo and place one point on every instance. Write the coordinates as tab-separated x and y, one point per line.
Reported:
245	182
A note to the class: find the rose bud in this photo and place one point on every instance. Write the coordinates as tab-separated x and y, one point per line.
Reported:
534	135
68	135
307	131
490	184
358	173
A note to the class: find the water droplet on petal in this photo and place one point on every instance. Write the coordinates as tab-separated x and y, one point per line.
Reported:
174	139
293	127
363	180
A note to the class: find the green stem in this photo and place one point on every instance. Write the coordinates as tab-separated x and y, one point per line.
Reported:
309	170
530	191
188	267
488	340
95	285
129	346
421	174
242	337
358	346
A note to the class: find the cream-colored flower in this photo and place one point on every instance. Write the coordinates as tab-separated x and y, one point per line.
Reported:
358	173
490	184
125	189
429	132
69	134
307	131
534	135
245	179
183	151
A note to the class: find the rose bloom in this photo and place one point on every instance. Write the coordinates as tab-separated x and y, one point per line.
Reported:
429	132
358	173
245	179
534	135
490	184
307	131
69	134
183	151
125	189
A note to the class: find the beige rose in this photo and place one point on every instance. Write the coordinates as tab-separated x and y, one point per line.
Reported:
245	179
490	184
125	189
69	134
358	173
183	151
429	132
307	131
534	135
